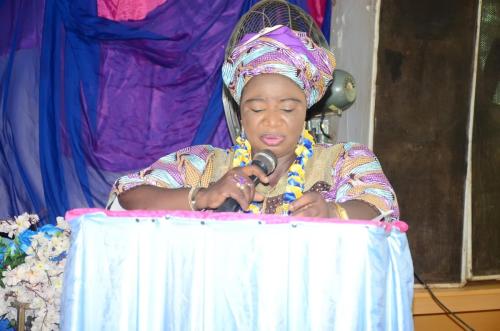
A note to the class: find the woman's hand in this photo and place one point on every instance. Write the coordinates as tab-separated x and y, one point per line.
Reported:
312	204
236	184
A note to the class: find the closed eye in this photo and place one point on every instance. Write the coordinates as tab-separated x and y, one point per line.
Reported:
256	110
288	110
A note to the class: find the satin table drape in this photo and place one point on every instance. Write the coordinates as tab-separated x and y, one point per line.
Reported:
224	271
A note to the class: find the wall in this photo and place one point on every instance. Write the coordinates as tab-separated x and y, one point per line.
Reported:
354	42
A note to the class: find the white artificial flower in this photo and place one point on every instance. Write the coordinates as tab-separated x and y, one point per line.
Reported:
63	224
15	226
38	281
9	227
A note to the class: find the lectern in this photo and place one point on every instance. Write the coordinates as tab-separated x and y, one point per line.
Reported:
178	270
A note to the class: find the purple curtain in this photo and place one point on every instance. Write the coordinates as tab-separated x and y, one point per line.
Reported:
85	99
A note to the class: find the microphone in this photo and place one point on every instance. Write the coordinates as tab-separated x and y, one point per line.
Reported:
266	161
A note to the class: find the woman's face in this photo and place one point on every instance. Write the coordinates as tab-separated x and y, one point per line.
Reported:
273	110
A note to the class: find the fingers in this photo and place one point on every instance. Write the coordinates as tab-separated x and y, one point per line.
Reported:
258	197
244	192
243	181
253	170
306	211
311	204
305	200
229	186
236	184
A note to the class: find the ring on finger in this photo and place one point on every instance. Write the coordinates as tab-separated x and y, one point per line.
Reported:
240	180
240	186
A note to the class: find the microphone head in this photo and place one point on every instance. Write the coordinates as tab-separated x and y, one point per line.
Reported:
266	160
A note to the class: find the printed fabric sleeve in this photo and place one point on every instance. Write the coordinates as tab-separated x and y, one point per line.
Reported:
357	175
184	168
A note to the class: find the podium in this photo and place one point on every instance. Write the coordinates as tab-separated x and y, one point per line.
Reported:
179	270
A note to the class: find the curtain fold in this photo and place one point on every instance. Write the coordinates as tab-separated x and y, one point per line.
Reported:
86	98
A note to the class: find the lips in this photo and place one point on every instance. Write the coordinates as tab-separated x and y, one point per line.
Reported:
272	139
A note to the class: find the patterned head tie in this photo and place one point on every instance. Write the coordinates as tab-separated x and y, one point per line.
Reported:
280	50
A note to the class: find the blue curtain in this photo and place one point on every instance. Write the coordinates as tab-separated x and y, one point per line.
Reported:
86	99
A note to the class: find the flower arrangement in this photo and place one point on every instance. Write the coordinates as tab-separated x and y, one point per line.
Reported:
32	262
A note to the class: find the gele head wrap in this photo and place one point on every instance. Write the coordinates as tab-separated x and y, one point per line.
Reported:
280	50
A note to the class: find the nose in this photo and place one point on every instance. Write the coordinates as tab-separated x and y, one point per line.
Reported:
273	118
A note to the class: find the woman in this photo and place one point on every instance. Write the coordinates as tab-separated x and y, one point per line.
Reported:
275	76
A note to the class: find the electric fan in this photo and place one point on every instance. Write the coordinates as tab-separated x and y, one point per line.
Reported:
267	13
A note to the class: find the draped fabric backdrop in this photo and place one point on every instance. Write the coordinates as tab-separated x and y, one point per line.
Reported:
92	90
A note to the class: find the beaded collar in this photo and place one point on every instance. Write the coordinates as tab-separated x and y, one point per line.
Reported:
295	177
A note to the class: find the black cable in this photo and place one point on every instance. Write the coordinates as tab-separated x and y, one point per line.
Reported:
460	322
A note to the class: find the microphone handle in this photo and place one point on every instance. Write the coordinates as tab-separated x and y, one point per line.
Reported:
230	205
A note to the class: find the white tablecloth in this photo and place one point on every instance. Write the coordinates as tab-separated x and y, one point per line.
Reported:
208	271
